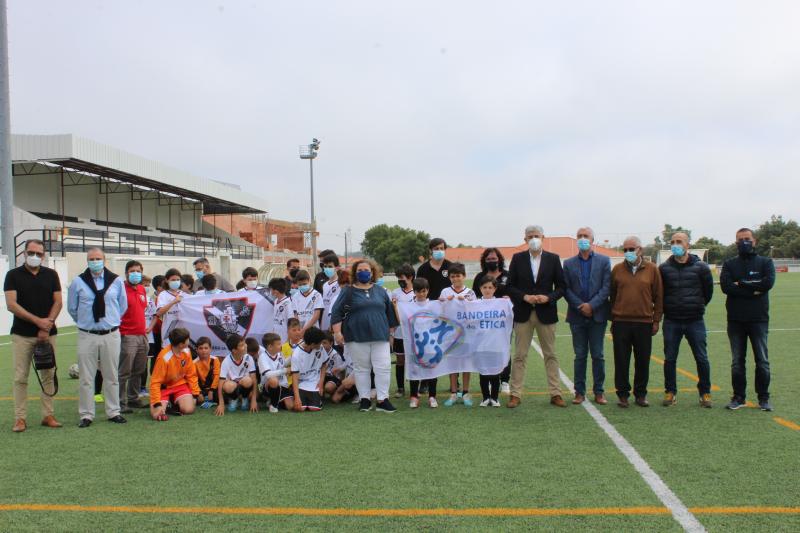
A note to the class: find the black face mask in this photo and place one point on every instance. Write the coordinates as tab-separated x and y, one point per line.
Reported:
745	247
403	283
293	271
492	265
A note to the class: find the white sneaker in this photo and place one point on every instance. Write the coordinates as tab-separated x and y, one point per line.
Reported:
356	400
373	394
413	403
495	403
273	409
432	402
486	403
504	388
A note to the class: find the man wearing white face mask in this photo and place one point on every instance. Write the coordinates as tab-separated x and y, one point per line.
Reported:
535	283
96	303
33	295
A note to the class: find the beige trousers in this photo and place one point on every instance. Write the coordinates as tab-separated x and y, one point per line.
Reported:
546	334
23	354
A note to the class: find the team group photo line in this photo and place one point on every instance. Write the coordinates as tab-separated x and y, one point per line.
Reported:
302	341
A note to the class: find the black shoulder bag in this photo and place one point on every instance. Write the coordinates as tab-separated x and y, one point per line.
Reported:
44	358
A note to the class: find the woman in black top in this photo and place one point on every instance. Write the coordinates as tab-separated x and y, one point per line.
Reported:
493	264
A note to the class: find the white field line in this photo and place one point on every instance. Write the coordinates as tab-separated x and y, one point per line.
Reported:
60	335
679	511
708	331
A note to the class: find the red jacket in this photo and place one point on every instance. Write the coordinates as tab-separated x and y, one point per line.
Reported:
133	322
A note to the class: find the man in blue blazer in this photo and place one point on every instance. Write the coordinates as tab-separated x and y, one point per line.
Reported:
587	277
535	283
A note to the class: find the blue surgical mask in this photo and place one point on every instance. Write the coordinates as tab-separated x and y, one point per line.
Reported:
134	278
631	257
363	276
199	274
677	250
584	244
96	265
329	271
303	288
174	285
437	255
292	292
379	283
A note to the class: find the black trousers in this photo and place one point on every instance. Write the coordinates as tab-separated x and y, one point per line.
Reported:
636	336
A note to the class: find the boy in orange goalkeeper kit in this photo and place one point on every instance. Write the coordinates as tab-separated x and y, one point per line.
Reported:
174	378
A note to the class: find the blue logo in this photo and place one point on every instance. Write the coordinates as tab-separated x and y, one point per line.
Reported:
433	337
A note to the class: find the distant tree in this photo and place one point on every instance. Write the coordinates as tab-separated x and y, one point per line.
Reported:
391	246
669	230
778	238
716	250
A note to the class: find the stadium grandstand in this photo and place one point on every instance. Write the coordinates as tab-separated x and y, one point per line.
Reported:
74	193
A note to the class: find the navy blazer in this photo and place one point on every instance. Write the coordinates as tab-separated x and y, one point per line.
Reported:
599	288
549	282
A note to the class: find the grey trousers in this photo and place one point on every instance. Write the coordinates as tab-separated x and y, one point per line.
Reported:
132	363
102	351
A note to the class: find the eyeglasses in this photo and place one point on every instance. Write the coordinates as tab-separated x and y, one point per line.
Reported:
629	249
37	254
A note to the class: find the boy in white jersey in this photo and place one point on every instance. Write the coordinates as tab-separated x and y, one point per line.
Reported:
237	378
273	369
282	309
307	302
166	303
339	369
308	371
330	290
404	293
458	290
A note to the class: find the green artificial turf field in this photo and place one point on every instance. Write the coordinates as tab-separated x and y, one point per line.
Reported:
536	467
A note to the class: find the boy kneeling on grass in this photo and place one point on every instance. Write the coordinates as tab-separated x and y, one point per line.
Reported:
273	369
308	371
174	379
237	378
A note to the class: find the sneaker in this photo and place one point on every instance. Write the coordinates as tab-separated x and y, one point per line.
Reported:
505	388
385	406
144	392
432	403
467	399
486	403
451	401
670	398
364	405
273	409
735	403
233	405
373	394
355	400
400	393
245	404
460	394
764	405
413	403
495	403
98	398
705	400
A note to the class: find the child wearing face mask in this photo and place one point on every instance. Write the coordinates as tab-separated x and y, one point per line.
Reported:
250	279
404	293
282	306
307	301
166	302
330	290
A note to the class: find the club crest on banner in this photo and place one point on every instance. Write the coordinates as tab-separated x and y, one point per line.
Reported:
433	336
225	316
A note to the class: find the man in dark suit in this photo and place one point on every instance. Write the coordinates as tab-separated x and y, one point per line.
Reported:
588	283
535	283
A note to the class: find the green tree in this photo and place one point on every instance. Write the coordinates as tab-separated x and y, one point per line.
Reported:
716	250
778	238
669	229
391	246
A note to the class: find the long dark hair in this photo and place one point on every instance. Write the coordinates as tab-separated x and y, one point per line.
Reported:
501	261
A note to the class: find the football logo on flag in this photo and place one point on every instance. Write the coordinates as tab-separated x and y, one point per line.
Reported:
230	315
433	337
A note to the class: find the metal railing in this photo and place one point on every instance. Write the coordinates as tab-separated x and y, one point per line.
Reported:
58	242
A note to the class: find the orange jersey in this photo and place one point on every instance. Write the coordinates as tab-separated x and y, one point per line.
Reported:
203	367
171	370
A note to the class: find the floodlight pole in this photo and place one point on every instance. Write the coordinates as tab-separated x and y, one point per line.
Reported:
6	179
309	152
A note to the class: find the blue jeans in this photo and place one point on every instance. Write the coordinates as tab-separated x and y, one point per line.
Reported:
588	336
695	333
738	333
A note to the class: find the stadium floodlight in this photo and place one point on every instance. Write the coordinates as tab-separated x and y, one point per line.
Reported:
309	151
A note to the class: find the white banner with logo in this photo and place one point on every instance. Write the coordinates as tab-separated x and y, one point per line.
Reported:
442	338
247	313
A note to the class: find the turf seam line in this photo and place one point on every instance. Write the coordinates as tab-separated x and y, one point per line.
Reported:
679	511
59	335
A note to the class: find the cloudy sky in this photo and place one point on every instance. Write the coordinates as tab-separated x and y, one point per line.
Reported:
468	120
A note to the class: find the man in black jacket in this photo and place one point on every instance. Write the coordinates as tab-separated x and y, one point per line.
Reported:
688	287
535	283
747	280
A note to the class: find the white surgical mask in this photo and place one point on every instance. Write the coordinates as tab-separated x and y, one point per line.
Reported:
251	283
535	244
33	261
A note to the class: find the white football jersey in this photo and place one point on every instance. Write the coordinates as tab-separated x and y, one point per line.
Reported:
330	291
269	363
282	311
233	371
467	293
400	295
337	364
305	305
168	320
308	365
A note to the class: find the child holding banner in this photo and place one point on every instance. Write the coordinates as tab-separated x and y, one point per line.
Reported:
421	288
403	293
165	304
490	385
457	290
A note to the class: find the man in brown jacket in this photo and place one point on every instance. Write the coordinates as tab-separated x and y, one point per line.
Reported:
636	306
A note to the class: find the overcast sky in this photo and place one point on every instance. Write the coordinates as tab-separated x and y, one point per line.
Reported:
468	120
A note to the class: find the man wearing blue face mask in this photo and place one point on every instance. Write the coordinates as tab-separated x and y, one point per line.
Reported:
688	287
747	280
587	277
133	339
96	303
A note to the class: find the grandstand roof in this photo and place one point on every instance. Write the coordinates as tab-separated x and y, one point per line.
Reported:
563	246
85	155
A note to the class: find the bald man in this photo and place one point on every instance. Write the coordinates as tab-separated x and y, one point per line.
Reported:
688	287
